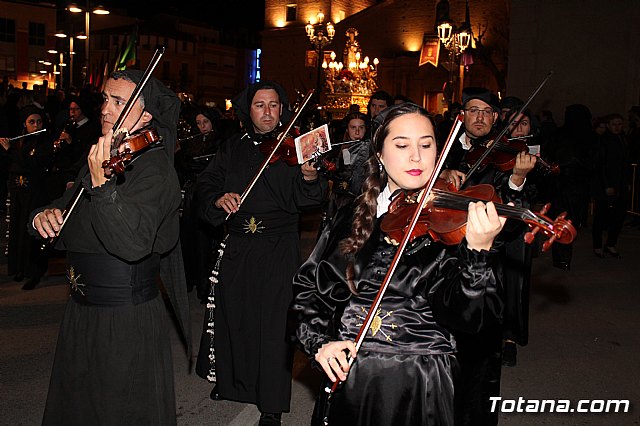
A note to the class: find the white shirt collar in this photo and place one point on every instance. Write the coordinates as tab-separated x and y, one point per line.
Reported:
466	145
81	122
384	200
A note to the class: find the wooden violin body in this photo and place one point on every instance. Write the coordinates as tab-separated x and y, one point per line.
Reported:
503	155
285	151
444	217
128	148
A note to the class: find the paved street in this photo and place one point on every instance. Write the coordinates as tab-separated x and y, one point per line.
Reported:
584	344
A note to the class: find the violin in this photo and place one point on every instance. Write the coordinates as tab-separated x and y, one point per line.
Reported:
444	217
129	147
503	155
285	151
79	192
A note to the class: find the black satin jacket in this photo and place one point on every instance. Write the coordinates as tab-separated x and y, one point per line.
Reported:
435	290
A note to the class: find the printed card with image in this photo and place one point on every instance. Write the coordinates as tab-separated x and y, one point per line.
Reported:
312	143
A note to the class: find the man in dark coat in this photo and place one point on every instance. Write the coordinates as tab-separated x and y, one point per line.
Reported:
253	284
480	355
113	358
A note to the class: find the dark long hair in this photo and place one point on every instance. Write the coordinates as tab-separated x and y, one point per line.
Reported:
366	204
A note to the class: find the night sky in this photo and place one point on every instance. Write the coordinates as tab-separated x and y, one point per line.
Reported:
219	13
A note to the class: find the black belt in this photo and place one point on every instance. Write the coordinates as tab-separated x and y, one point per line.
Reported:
104	280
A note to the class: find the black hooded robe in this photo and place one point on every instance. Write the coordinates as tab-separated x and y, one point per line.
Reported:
253	359
405	371
113	363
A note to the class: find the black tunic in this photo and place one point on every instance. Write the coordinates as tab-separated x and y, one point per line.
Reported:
404	372
480	355
28	158
253	359
113	359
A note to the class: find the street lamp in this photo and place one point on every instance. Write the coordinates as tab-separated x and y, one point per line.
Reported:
99	10
455	40
320	35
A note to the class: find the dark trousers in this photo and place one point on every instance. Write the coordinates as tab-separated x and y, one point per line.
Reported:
608	216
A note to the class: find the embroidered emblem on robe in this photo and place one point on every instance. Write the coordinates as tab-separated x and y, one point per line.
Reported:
377	325
252	226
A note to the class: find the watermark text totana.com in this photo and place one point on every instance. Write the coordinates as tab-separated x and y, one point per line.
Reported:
522	405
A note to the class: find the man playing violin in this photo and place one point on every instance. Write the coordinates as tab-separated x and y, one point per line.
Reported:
480	355
260	256
113	359
480	114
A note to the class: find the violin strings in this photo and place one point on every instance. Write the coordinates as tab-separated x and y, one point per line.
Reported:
506	148
461	202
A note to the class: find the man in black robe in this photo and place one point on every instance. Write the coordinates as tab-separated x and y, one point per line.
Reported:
261	254
480	355
113	358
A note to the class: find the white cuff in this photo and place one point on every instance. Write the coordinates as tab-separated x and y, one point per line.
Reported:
513	185
33	222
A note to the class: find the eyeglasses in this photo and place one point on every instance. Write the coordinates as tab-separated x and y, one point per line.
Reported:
476	111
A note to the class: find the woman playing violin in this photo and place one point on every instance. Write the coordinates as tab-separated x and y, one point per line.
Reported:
518	257
404	372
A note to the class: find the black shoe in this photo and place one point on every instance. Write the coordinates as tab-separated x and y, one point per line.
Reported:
509	354
31	284
270	419
611	251
214	394
18	277
562	265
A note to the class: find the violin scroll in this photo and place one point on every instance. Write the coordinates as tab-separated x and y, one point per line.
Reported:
560	230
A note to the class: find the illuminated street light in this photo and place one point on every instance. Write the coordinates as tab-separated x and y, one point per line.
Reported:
99	10
320	35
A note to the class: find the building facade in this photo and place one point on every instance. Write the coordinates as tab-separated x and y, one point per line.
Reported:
26	33
392	31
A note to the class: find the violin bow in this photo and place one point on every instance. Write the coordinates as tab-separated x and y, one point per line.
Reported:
505	129
267	160
366	324
116	127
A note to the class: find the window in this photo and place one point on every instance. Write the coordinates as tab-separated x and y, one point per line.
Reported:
36	34
7	63
229	62
292	12
7	30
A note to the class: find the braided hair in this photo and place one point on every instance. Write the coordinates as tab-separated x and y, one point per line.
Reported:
366	204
